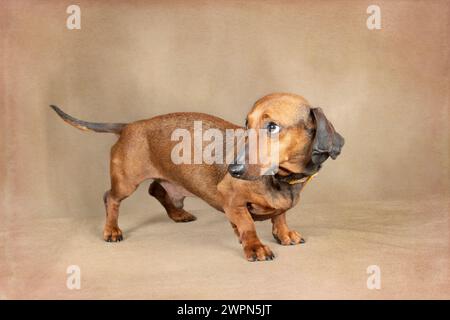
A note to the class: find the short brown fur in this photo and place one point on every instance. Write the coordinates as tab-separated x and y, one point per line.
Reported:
143	151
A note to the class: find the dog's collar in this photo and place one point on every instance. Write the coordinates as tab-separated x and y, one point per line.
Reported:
296	178
304	180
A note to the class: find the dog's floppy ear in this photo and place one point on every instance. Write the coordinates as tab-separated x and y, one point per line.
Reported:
327	142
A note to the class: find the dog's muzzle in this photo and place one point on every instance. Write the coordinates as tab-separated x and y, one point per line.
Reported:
236	169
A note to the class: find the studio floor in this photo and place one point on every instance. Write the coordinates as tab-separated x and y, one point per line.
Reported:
160	259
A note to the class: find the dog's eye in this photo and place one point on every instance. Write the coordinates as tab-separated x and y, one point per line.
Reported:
273	128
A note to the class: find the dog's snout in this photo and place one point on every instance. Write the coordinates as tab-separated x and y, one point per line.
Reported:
236	169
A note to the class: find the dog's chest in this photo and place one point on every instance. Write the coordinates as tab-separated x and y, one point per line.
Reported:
275	198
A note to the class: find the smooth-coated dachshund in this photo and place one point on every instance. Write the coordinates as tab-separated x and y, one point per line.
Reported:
144	149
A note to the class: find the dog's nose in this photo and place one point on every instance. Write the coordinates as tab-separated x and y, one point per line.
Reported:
236	169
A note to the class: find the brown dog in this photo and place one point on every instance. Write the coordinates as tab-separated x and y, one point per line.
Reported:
143	151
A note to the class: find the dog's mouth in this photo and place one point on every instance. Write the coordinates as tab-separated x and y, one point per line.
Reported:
283	172
286	175
276	171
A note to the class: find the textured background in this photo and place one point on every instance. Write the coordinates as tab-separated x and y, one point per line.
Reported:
386	91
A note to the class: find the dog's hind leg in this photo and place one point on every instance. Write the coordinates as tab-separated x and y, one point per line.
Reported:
112	198
123	184
172	200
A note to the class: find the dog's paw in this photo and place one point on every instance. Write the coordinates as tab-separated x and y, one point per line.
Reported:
180	215
288	238
258	252
112	234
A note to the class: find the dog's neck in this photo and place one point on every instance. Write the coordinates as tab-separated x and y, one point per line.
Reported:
295	178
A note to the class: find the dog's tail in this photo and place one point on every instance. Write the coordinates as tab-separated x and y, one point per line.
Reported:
89	126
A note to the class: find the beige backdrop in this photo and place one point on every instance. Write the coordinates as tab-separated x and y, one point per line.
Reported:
386	91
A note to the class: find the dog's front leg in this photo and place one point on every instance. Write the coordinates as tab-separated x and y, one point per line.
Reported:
245	228
282	233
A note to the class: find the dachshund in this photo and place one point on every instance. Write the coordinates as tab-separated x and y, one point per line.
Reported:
245	192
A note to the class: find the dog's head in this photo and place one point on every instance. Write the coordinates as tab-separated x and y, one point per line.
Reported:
297	138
